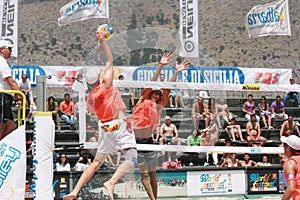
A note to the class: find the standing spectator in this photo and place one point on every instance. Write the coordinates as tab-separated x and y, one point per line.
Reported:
253	132
62	164
291	167
7	82
25	87
249	108
79	84
291	94
247	162
199	110
264	112
52	106
277	110
234	130
223	112
288	127
67	109
264	162
127	94
211	111
194	139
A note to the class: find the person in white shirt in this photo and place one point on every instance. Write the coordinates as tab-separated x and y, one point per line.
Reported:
62	163
7	82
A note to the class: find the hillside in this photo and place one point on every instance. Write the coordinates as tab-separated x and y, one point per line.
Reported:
143	29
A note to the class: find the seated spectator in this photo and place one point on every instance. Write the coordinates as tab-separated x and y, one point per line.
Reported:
249	108
211	110
291	94
223	112
253	133
176	94
52	106
193	140
67	109
25	87
234	130
84	160
111	157
288	127
231	162
212	128
168	133
247	162
62	164
199	113
264	162
277	110
264	112
225	156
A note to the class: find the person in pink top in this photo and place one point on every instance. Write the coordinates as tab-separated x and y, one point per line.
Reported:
249	108
106	102
291	167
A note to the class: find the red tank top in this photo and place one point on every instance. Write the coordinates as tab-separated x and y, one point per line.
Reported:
105	103
145	115
296	195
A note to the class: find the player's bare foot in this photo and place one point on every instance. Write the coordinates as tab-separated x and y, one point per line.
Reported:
70	197
110	189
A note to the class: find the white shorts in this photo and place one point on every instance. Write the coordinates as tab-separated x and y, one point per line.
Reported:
116	134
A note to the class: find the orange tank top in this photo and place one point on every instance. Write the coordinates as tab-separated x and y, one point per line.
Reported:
145	115
105	103
296	195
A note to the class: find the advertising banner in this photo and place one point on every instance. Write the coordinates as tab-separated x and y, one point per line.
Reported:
9	23
263	181
65	75
216	182
269	19
43	144
79	10
188	28
13	165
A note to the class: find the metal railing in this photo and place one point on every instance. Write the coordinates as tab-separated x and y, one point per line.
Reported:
23	107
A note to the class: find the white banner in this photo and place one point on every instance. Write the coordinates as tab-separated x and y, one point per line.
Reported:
231	76
43	145
269	19
9	22
79	10
13	165
188	28
216	182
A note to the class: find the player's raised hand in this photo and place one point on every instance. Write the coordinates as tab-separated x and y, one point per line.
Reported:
166	58
184	65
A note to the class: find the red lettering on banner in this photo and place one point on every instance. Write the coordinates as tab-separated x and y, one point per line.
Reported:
267	77
69	77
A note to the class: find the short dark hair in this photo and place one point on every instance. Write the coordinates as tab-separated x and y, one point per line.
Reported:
67	94
250	95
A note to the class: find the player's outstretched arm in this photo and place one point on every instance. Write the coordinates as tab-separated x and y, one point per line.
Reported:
165	60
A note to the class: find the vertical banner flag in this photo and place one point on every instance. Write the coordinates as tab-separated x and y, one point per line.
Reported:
9	23
79	10
43	145
269	19
188	28
13	165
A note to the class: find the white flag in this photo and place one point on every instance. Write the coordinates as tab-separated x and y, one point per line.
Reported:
269	19
13	165
188	28
79	10
9	23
